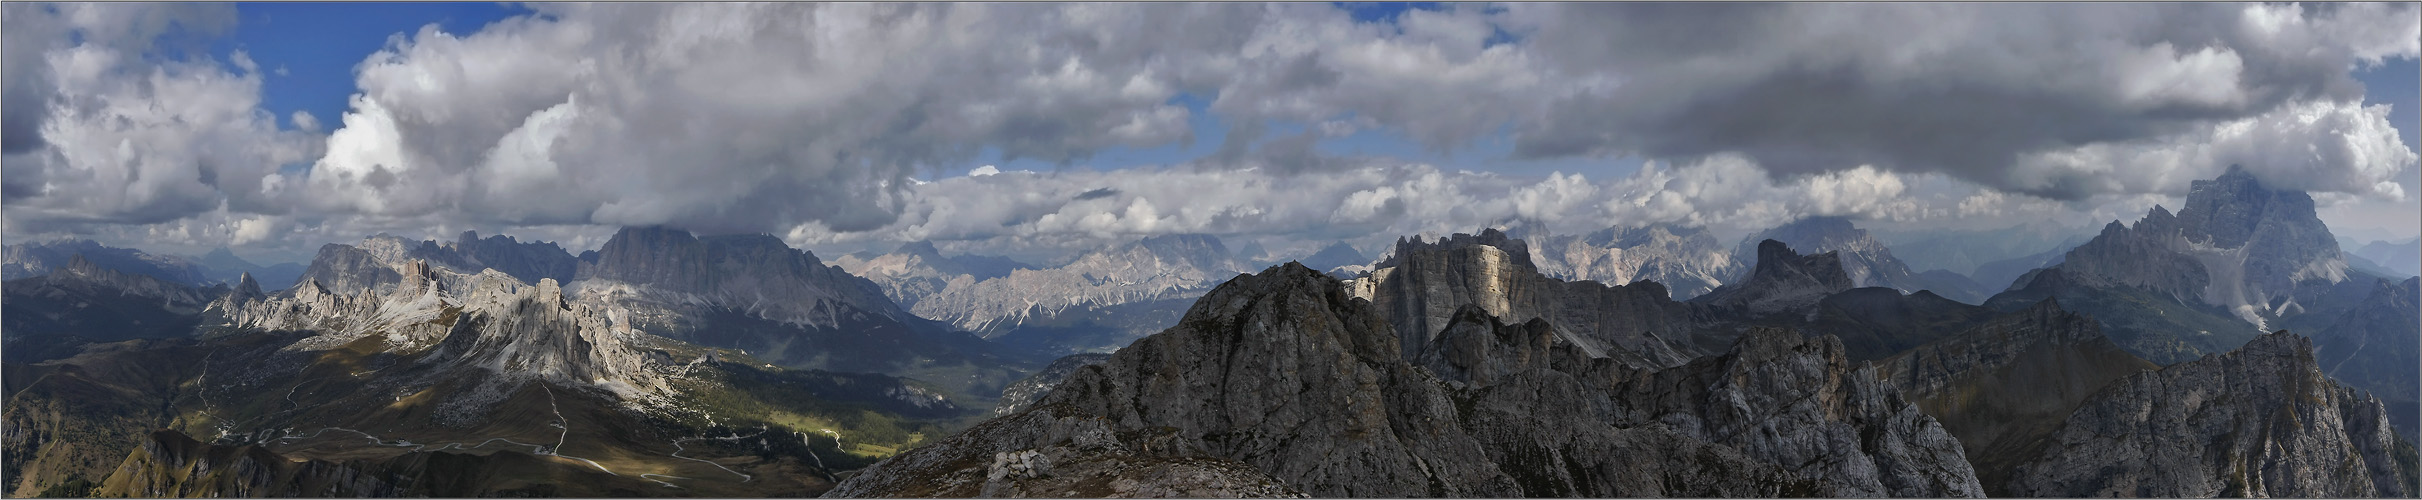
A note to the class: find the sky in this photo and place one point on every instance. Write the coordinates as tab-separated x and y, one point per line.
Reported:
1038	130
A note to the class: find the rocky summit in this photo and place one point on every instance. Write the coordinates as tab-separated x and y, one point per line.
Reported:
1288	374
1783	282
2238	260
1866	260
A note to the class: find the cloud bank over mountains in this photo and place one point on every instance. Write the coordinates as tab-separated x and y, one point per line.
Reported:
833	123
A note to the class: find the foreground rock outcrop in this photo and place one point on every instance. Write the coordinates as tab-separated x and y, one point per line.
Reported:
2259	421
1288	374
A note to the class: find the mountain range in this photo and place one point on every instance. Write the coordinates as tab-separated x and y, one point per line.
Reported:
1687	261
2228	349
2401	258
1867	260
26	260
1097	302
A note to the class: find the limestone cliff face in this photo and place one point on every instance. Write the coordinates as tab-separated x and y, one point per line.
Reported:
1288	374
533	333
2259	421
494	323
1421	286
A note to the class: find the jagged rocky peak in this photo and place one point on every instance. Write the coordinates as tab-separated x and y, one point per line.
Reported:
79	266
1285	356
1783	282
1288	374
2236	244
2259	421
1477	349
246	291
1847	424
2230	209
533	332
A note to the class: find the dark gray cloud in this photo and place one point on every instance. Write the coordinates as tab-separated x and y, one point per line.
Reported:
1971	90
814	120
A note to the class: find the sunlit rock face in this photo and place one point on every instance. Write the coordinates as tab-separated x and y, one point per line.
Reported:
1422	284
